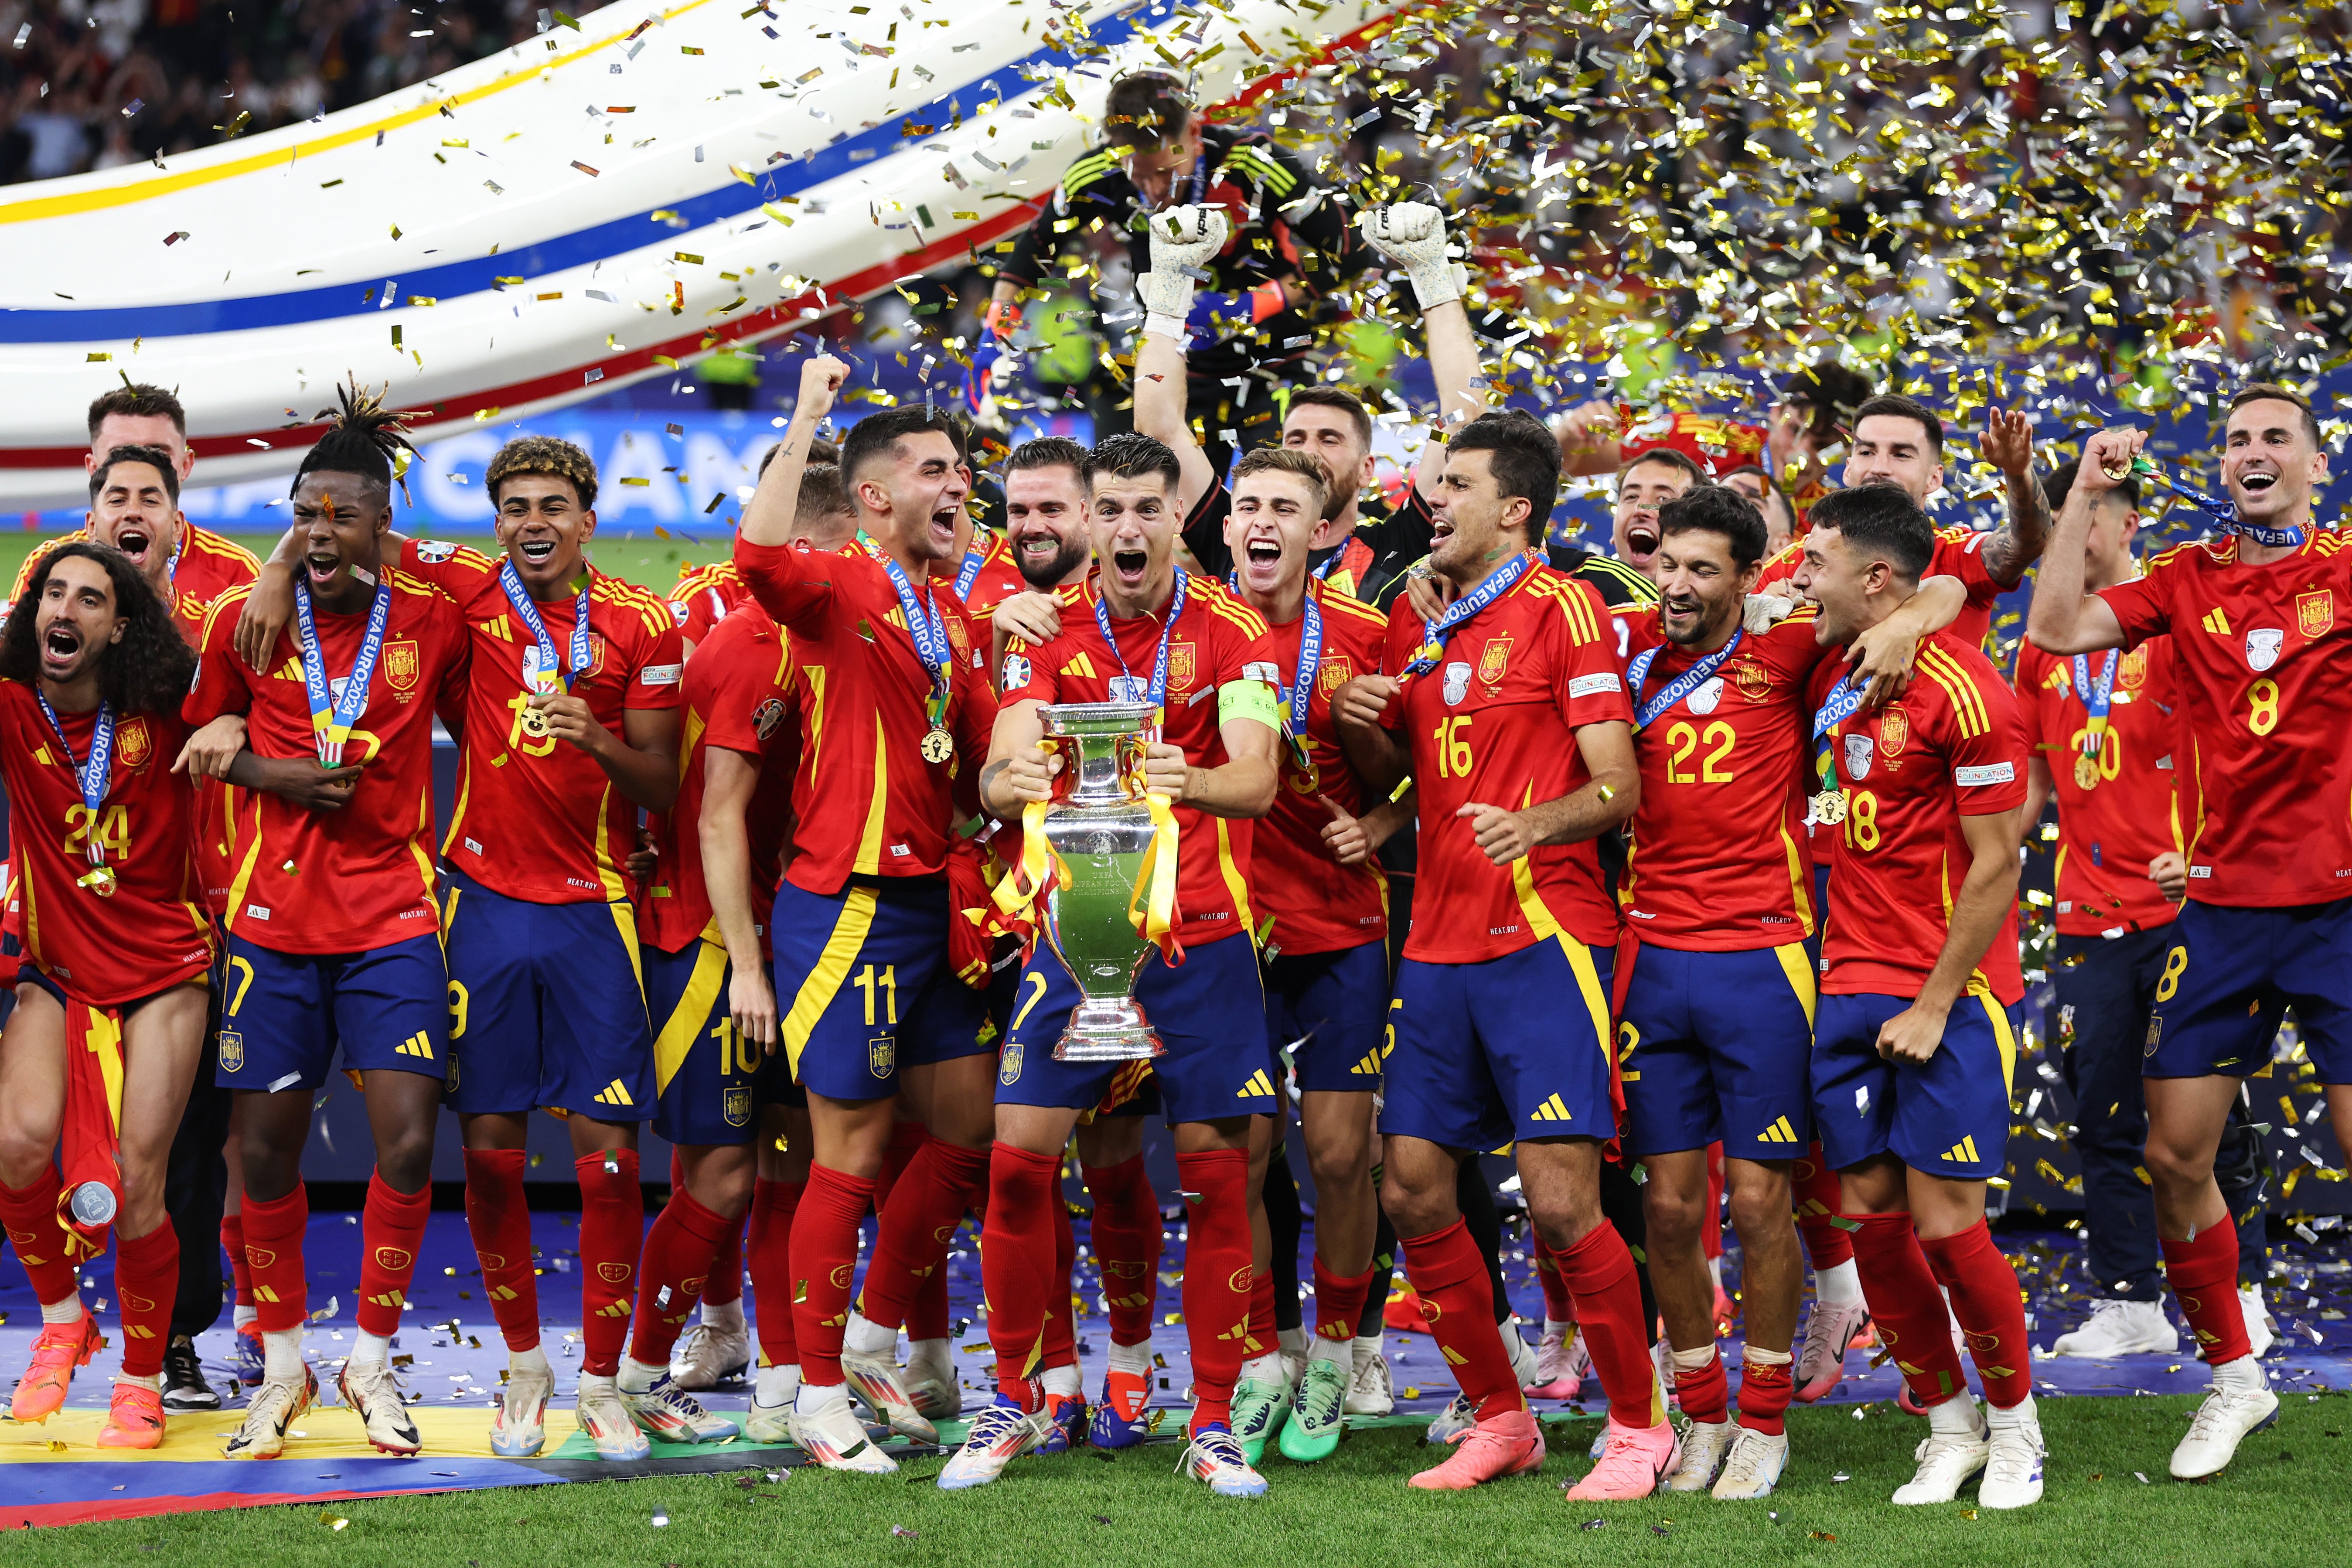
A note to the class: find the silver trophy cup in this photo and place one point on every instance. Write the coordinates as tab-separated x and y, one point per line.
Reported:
1101	832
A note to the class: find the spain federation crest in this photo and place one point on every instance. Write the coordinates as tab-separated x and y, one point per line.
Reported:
882	1054
736	1106
1333	673
133	743
401	664
1493	659
2315	613
1857	757
1008	1066
1894	733
1179	667
232	1050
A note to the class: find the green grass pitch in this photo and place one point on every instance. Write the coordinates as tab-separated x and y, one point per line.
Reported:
2286	1503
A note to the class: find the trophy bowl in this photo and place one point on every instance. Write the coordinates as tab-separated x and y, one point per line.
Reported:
1101	832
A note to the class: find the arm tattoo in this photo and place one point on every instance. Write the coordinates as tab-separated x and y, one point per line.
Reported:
2018	542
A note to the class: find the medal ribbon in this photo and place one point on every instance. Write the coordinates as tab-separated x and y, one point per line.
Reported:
2098	696
1843	698
1295	696
91	772
930	633
969	572
331	722
1157	692
2223	512
1434	633
1681	686
544	674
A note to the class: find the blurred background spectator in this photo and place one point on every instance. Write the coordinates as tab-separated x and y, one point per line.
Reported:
91	84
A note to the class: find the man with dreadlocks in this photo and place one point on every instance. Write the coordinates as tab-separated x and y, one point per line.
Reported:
117	947
332	928
570	724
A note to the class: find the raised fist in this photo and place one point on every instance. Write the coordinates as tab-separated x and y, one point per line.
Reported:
1412	236
1183	240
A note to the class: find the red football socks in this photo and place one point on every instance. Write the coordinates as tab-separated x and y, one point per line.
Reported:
1560	1307
498	1218
273	1246
2203	1275
146	1280
1263	1337
1060	1345
926	1314
907	1141
919	1221
825	1256
1990	1309
1457	1301
392	1233
1909	1310
725	1282
611	1229
1126	1236
1016	1265
1764	1392
1705	1394
774	1205
1827	1243
240	1272
1598	1271
1710	1226
1339	1302
30	1216
1217	1277
684	1237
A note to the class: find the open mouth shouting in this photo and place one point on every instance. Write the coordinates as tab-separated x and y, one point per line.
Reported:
60	649
1641	538
1130	564
2256	483
135	540
322	569
943	527
1262	560
536	550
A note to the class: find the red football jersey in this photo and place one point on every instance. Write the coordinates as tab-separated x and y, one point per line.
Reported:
209	565
1492	724
1318	904
2107	834
866	804
2264	656
738	697
1959	553
360	877
990	581
1719	861
1951	746
153	932
536	819
1217	640
703	594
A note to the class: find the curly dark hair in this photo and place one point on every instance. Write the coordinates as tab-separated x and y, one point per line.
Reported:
149	672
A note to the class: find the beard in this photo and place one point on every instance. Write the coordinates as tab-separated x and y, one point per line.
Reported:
1046	576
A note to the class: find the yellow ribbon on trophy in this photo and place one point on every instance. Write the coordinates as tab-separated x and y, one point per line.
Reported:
1016	895
1151	908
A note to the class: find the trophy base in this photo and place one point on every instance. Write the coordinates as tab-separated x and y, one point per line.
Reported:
1108	1029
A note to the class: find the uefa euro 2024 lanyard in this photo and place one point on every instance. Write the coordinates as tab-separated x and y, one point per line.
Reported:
929	631
92	775
541	672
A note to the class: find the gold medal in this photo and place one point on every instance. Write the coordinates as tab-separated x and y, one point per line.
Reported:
938	746
100	881
1828	809
534	723
2086	772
